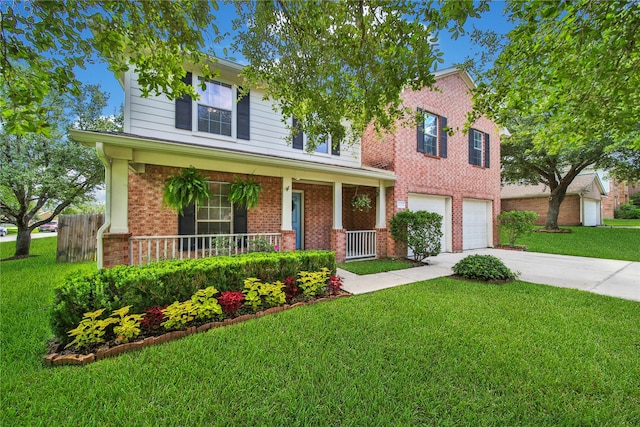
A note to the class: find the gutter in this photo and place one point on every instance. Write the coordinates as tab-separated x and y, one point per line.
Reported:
107	215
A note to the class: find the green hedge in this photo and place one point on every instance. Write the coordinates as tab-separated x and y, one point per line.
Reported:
165	282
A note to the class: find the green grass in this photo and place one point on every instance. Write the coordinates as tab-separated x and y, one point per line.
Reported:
595	242
442	352
622	222
376	265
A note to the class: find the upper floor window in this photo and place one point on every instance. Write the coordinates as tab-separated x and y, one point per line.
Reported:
299	142
215	108
479	148
432	135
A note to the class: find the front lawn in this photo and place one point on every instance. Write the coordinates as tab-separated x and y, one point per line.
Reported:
372	266
595	242
622	222
442	352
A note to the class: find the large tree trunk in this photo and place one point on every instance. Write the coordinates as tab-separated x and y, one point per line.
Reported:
23	241
556	198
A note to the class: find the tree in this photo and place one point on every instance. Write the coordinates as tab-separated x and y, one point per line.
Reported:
575	64
49	39
55	171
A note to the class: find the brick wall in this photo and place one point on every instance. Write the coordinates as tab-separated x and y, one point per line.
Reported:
618	194
569	208
358	220
116	249
452	176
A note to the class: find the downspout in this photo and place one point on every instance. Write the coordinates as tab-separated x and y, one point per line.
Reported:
107	215
581	209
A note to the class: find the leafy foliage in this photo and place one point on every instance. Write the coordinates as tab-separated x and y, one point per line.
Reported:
420	231
205	304
162	283
231	301
483	267
313	283
334	284
152	320
517	224
178	315
245	192
90	331
627	211
186	188
635	199
258	295
127	326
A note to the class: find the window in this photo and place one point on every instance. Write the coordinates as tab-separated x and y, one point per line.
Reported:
322	147
432	135
216	217
299	142
479	148
215	108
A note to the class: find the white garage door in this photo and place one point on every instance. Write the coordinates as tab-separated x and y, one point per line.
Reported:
476	224
439	205
591	209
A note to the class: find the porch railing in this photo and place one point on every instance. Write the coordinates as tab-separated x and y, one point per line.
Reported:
148	249
361	244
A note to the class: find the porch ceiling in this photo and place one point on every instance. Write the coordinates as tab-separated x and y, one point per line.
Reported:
142	150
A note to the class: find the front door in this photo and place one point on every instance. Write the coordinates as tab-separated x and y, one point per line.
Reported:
296	217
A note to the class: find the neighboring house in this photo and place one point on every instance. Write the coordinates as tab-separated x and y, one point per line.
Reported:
457	176
306	198
582	204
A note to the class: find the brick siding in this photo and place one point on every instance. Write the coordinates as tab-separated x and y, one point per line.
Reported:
569	208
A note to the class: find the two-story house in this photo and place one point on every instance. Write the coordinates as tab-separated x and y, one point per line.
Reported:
305	202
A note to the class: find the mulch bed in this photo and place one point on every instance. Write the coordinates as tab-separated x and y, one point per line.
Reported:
512	248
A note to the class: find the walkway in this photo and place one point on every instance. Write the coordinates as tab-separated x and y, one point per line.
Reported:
602	276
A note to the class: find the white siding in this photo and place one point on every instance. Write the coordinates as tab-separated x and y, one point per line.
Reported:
154	117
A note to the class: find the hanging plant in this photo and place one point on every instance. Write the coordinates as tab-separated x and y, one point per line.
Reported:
185	188
361	202
245	192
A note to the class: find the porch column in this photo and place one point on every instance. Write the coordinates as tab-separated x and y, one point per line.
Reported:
286	203
381	206
337	206
119	196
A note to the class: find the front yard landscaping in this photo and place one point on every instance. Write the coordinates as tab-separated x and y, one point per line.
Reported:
443	352
595	242
372	266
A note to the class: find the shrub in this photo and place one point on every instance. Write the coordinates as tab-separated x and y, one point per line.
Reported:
627	211
420	231
335	284
483	267
634	199
313	283
152	320
90	331
231	301
258	295
127	325
162	283
291	290
178	315
516	224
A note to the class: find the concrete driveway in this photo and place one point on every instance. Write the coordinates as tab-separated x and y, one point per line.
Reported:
602	276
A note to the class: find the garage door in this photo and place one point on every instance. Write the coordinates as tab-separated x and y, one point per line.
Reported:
476	224
591	210
439	205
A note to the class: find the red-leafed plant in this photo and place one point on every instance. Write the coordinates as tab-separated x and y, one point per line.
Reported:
231	301
291	290
152	320
335	284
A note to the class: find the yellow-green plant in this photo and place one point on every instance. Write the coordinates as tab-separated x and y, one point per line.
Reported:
127	325
178	315
258	295
313	283
91	330
206	306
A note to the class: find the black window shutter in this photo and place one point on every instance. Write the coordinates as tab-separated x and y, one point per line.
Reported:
420	132
471	151
297	138
335	147
443	137
239	219
184	107
487	151
242	120
187	225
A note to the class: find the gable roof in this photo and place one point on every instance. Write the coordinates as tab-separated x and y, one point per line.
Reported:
588	185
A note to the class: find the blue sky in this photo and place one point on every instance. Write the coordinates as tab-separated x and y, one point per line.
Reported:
455	51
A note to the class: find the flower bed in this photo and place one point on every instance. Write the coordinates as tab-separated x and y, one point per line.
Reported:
97	337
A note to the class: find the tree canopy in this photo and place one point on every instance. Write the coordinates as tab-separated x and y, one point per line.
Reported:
572	69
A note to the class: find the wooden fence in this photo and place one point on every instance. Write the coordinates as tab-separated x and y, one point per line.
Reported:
77	237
